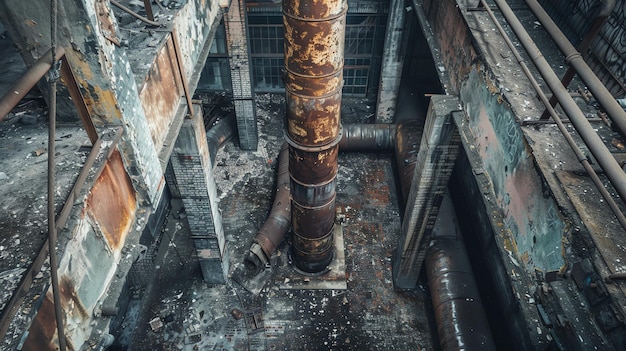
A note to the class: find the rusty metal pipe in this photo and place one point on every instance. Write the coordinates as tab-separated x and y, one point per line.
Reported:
218	134
22	86
314	44
368	137
461	320
595	144
272	232
356	137
575	60
408	138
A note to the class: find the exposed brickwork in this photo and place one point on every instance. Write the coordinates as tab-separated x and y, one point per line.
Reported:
453	38
236	38
194	183
435	160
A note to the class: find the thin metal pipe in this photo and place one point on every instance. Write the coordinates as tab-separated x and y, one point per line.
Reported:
576	116
148	6
22	86
52	230
574	59
570	141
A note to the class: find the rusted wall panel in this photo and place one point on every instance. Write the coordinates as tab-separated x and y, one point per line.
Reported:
43	328
88	260
161	93
112	202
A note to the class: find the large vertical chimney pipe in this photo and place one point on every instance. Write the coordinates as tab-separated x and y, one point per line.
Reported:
314	45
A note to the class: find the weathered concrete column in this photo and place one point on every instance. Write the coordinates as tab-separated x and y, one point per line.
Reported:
192	169
435	160
393	60
243	96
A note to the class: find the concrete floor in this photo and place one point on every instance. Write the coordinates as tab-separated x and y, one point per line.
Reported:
368	315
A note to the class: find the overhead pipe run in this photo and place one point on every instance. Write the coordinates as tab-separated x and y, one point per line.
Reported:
613	109
314	45
580	156
595	144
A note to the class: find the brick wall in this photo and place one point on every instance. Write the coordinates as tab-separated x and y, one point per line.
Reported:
194	182
236	39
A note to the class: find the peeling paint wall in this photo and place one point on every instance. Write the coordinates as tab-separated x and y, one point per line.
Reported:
160	94
533	220
112	80
89	257
517	225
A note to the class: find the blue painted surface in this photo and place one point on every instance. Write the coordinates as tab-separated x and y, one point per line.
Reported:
533	220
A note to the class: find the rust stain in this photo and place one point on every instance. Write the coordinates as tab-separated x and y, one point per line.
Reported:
105	20
42	331
112	202
375	188
42	334
100	100
161	93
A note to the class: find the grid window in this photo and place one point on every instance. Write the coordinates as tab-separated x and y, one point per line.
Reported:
215	75
355	76
360	35
267	73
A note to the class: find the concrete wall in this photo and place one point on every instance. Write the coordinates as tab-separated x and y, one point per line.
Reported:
518	228
137	87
